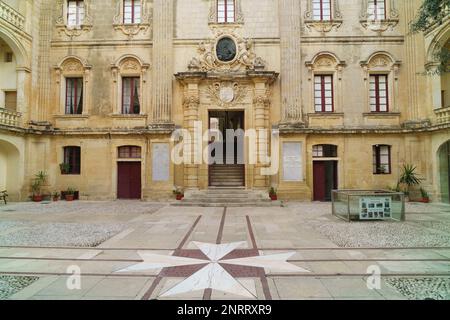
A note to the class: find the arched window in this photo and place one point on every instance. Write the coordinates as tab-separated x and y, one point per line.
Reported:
382	159
72	75
129	152
72	160
381	74
325	75
129	76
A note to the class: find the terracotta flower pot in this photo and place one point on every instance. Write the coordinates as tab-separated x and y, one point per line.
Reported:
180	197
69	197
37	198
426	200
273	197
55	199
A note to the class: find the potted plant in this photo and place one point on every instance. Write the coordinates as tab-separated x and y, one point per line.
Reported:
36	186
178	194
273	194
55	196
408	178
64	167
70	194
425	196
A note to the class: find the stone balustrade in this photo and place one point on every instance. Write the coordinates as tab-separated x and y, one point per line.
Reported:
9	117
443	115
11	16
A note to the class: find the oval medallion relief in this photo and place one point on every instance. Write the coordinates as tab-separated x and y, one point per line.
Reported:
226	49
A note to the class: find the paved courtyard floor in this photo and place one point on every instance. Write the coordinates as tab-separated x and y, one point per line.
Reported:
142	250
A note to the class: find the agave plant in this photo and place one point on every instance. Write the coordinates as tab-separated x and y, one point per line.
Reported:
409	177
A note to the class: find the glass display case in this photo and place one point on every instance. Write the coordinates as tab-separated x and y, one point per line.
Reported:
368	205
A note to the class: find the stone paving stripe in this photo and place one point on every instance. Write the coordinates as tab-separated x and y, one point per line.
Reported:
222	225
250	232
149	292
191	230
207	294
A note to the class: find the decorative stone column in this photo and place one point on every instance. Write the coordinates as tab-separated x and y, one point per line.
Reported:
261	109
191	116
291	66
163	29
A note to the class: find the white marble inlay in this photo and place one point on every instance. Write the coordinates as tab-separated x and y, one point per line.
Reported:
218	251
214	276
274	262
156	261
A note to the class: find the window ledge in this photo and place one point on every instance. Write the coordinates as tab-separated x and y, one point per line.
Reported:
381	114
379	25
129	116
326	114
71	116
323	25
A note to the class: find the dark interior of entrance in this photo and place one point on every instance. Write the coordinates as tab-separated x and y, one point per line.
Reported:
227	168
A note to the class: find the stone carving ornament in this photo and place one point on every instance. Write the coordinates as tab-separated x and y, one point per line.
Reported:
226	53
226	94
61	20
324	26
131	30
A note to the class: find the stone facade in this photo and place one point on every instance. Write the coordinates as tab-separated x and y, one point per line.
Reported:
280	51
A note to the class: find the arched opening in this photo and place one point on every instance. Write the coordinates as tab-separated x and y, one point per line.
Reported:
10	169
325	171
444	171
8	80
445	84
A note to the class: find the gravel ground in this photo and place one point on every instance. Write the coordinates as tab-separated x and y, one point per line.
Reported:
422	288
83	207
380	234
10	285
56	234
427	226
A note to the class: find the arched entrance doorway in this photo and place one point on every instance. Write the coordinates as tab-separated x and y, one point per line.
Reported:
444	171
10	169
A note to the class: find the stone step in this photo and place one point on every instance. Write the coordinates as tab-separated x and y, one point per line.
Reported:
227	204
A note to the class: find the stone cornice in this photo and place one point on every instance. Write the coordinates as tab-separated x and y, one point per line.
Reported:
166	129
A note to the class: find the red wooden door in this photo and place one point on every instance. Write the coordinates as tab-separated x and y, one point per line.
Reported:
129	180
319	178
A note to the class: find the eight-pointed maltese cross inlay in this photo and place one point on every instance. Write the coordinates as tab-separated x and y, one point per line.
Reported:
213	275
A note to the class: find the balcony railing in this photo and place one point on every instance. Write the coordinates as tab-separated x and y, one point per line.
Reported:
443	115
11	16
9	117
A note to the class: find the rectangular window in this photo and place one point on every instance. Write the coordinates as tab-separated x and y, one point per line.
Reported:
75	13
74	95
11	100
376	10
8	57
130	152
72	158
323	93
322	10
130	95
381	159
379	94
225	11
131	11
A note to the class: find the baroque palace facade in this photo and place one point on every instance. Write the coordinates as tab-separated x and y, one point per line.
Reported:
92	91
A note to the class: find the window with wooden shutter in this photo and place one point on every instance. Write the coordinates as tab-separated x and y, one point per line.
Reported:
323	93
379	94
72	158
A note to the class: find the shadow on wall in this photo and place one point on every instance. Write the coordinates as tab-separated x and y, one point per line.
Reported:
9	170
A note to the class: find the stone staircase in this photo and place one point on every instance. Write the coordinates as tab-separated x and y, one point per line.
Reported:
227	197
227	175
